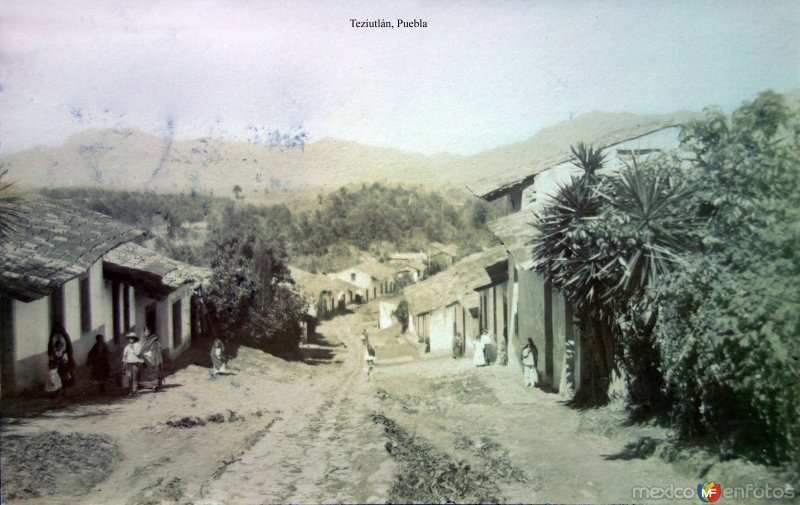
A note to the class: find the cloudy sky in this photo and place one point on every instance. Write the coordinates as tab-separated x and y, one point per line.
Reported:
481	74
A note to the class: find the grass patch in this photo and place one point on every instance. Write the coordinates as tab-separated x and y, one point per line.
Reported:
430	476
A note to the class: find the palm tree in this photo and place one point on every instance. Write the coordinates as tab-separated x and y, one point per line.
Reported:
9	211
604	240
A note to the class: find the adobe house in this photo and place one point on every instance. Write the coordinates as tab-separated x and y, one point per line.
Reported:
536	310
444	254
400	258
326	296
533	309
372	278
163	294
410	272
51	273
446	304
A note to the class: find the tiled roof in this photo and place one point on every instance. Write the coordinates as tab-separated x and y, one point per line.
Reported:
313	285
377	270
415	265
456	284
449	249
166	273
54	242
504	179
515	232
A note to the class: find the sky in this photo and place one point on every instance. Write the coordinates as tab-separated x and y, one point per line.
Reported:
480	75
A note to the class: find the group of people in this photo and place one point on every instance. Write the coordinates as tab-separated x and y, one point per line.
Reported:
142	362
480	356
61	363
529	357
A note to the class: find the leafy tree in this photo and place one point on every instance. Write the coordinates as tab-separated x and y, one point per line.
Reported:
730	314
252	295
401	314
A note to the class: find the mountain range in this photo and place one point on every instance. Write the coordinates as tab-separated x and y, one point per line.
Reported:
132	159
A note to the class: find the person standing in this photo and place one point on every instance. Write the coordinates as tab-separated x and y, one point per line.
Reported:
53	381
59	350
99	361
151	371
132	361
217	357
479	346
530	357
369	357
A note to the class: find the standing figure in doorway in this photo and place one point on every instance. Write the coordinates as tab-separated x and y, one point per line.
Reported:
59	351
99	362
479	355
151	373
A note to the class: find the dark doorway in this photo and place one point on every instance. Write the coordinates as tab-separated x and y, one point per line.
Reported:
150	317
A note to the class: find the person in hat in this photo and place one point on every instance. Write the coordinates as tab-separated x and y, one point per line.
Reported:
132	361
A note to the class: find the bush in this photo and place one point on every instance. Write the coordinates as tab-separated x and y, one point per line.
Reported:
730	315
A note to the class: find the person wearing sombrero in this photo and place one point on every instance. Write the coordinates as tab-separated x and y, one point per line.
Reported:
132	362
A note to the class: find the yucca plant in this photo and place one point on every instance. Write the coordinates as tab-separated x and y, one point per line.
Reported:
603	240
9	210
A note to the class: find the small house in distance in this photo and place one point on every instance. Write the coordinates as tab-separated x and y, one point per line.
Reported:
163	294
326	295
410	272
401	258
442	254
51	274
447	304
373	279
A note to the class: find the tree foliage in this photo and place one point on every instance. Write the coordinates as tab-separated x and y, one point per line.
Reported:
731	312
687	270
251	295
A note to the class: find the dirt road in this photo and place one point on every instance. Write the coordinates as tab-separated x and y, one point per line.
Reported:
318	432
322	450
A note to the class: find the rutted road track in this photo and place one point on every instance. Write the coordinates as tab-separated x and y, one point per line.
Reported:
323	449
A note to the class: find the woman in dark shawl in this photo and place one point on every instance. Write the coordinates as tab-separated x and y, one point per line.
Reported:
99	361
151	373
59	350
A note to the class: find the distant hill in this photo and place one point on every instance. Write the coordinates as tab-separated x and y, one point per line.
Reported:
132	159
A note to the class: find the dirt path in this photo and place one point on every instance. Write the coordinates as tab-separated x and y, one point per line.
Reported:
315	432
324	450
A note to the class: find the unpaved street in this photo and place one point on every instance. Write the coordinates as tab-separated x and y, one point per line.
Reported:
319	432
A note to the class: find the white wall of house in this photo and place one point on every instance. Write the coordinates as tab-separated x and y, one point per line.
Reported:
547	182
386	309
31	323
32	327
353	276
441	330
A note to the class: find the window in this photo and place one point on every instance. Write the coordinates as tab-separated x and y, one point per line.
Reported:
86	305
177	324
353	277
